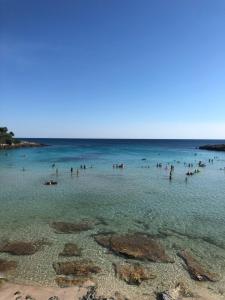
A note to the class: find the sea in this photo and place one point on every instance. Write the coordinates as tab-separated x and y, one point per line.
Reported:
183	212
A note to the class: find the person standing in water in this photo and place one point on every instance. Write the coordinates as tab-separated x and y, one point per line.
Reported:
71	170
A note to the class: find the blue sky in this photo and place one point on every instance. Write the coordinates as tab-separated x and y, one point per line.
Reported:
113	68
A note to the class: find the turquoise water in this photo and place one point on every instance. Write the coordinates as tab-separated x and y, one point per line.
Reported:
139	197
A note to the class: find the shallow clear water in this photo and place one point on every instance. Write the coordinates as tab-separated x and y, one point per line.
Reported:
139	197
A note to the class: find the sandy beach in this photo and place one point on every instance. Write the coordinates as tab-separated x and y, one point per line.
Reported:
10	291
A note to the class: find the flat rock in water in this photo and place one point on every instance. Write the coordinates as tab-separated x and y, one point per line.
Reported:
68	281
71	249
76	268
195	269
67	227
21	247
7	265
132	273
138	246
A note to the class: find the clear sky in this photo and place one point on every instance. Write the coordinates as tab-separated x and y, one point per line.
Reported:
113	68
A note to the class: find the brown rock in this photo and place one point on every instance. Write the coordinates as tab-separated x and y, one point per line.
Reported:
66	281
71	249
21	247
66	227
138	246
76	268
7	265
103	239
132	273
195	269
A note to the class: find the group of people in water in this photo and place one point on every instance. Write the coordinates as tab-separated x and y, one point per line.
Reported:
189	165
168	166
118	166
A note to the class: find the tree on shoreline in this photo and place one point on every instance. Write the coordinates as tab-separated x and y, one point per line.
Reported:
6	137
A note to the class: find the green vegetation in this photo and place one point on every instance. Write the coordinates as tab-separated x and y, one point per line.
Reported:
7	137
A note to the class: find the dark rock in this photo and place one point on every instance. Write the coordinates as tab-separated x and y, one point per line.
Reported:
163	296
54	298
91	295
138	246
21	247
132	273
7	265
71	249
195	269
218	147
17	293
66	227
76	268
28	297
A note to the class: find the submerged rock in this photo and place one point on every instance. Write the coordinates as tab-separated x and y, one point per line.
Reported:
103	239
7	265
138	246
195	269
21	247
76	268
71	249
67	227
68	281
132	273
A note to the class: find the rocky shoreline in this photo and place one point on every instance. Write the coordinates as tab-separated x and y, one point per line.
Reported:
76	278
217	147
21	144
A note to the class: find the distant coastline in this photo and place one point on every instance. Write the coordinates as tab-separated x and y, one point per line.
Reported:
217	147
21	144
7	141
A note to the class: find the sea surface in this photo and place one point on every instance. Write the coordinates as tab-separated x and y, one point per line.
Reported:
138	198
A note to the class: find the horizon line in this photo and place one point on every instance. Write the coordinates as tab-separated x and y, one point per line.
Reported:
103	138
